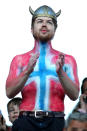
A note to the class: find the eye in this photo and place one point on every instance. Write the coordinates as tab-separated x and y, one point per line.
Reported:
11	110
50	22
39	21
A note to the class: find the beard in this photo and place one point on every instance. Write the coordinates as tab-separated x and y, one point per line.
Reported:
42	37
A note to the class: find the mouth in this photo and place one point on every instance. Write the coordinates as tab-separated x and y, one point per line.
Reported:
44	30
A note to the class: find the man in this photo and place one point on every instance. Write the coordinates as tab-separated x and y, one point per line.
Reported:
76	122
13	109
44	76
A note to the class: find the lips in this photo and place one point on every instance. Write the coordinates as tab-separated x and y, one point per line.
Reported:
43	31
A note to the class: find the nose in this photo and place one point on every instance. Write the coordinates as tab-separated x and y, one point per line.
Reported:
44	23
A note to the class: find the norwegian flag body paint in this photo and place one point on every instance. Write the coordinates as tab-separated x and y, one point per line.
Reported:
43	90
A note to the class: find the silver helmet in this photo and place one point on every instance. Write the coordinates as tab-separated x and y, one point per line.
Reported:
44	11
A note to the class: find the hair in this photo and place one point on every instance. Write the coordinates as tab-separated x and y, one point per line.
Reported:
14	101
33	20
82	117
82	87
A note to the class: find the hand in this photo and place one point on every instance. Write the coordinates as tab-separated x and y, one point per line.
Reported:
32	63
60	62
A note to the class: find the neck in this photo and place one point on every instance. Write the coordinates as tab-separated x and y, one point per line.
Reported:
41	46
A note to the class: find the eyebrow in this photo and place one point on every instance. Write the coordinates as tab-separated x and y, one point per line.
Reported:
43	19
39	19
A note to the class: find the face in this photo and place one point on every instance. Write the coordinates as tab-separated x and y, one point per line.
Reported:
76	125
85	87
43	29
13	112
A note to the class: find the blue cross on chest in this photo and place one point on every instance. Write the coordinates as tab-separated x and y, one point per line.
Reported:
42	72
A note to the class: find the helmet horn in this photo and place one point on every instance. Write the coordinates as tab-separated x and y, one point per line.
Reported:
31	11
58	13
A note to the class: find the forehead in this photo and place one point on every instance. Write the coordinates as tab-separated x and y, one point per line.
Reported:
43	18
12	105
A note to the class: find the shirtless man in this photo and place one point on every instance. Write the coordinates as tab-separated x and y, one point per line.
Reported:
44	76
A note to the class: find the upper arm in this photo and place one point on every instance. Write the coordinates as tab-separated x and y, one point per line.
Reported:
71	69
13	71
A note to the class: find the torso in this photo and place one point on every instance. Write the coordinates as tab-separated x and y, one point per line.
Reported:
43	90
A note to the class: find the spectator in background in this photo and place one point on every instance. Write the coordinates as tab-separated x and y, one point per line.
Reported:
13	108
76	121
82	104
3	126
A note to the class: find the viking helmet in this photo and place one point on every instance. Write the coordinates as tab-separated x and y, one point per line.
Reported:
44	11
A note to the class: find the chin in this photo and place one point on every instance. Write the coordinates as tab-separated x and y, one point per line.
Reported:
43	38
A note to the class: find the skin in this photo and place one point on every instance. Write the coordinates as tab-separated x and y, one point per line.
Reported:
82	103
13	112
76	125
43	31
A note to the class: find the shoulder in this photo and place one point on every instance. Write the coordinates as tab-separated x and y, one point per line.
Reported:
21	57
67	56
70	59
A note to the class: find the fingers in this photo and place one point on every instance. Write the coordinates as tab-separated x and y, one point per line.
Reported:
34	58
62	59
32	63
60	62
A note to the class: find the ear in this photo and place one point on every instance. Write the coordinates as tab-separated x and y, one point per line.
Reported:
32	30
